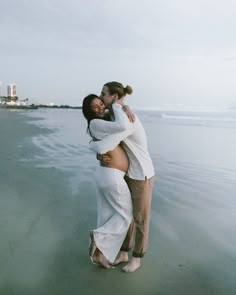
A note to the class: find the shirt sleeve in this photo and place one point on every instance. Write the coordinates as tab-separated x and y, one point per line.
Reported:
109	142
100	128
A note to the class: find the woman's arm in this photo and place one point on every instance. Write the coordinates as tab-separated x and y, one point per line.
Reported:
100	128
109	142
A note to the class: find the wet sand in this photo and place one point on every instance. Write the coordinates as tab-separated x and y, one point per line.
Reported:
44	227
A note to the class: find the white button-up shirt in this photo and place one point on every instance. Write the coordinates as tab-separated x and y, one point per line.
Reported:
132	136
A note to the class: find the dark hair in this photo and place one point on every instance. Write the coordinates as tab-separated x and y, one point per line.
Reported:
117	88
86	107
88	112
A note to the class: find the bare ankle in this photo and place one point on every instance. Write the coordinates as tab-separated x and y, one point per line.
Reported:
124	254
136	259
122	257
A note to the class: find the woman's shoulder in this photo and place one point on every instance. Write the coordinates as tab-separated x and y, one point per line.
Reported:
95	123
99	122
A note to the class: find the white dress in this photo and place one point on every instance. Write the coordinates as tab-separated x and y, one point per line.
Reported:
114	205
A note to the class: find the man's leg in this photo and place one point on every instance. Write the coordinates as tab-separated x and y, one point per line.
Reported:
141	192
126	246
128	242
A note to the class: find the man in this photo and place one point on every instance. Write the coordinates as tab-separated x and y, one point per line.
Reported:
139	176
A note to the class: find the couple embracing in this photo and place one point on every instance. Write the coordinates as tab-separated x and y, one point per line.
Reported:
124	179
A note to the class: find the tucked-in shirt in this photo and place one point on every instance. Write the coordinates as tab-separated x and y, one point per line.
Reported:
132	136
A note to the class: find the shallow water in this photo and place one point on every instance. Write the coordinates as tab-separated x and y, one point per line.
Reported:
187	140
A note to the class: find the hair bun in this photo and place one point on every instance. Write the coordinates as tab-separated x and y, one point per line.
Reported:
128	90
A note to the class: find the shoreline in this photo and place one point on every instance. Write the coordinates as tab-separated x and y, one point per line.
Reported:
37	106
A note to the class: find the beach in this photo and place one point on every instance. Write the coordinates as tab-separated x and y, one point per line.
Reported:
48	206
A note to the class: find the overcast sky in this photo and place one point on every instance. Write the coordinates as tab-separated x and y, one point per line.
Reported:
170	51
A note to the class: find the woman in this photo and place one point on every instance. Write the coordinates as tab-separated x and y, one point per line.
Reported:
114	204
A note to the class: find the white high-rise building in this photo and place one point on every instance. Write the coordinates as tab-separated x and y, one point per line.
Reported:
11	90
0	88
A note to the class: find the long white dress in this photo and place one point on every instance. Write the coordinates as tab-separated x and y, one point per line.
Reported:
114	205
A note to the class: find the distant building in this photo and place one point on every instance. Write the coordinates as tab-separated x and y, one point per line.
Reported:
0	89
11	90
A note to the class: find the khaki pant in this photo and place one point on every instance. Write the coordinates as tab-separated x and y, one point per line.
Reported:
141	193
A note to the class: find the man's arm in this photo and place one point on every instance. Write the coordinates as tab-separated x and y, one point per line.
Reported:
129	113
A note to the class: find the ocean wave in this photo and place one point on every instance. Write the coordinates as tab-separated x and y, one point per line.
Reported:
195	117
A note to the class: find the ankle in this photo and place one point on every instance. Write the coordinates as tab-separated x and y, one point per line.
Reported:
124	254
136	259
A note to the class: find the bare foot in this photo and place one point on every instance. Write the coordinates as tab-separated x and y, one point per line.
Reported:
133	265
99	258
122	257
